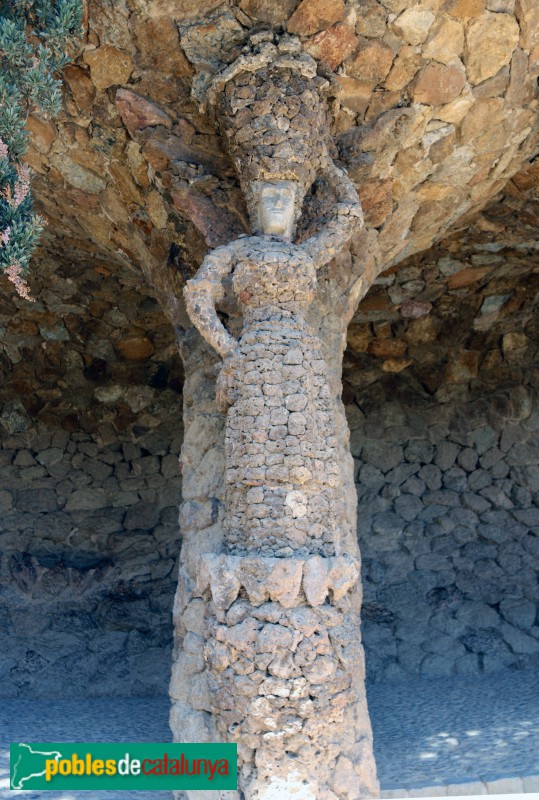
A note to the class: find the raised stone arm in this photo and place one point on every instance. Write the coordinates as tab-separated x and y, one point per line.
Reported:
348	217
204	291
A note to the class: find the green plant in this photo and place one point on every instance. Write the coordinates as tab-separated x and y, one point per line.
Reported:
34	37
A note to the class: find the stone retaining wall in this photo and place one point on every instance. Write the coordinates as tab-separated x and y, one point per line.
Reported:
89	540
441	386
449	533
444	420
448	527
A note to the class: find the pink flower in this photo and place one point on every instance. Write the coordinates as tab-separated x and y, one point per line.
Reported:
22	187
3	149
4	237
13	272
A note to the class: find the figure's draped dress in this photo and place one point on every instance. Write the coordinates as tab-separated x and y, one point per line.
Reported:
282	469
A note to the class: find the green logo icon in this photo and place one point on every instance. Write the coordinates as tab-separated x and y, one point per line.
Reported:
145	766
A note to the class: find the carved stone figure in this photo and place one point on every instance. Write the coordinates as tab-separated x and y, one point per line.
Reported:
282	477
283	655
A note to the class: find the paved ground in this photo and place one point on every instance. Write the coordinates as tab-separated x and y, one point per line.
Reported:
97	720
426	732
456	730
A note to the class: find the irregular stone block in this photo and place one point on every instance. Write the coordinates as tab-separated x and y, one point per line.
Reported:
343	574
312	16
438	84
414	24
445	41
315	580
253	574
284	581
109	66
138	112
334	45
490	42
224	582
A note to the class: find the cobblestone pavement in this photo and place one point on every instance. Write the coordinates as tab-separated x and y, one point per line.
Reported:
427	733
456	730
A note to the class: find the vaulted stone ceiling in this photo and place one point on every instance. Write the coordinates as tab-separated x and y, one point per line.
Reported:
438	110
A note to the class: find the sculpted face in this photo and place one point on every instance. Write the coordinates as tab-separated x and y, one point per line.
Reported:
276	208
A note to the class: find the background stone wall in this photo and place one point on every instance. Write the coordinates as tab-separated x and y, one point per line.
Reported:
449	533
90	431
441	386
89	545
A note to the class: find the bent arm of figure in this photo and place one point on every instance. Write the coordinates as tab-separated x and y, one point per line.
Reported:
348	217
201	295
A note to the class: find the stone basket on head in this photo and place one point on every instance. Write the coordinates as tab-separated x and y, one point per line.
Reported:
270	105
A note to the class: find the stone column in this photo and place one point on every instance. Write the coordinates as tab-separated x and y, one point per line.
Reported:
266	616
287	610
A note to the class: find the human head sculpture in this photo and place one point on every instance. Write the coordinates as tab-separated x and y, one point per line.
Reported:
276	207
270	105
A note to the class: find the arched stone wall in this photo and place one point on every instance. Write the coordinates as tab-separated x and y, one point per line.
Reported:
446	468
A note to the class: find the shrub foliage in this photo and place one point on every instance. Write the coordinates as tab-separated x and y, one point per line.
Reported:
34	38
